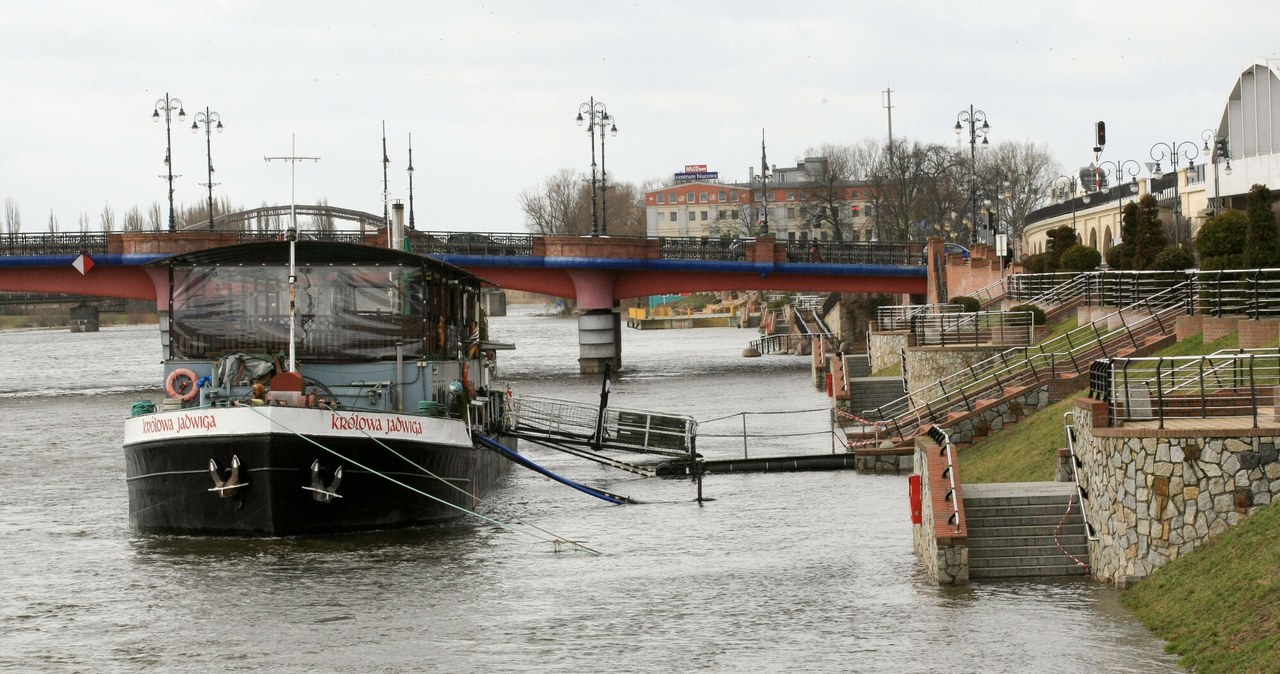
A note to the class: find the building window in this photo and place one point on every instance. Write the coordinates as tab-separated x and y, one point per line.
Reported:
853	195
702	198
755	197
791	212
662	198
791	236
791	196
856	212
704	216
733	197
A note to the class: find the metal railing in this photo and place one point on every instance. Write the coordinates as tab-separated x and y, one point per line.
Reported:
1244	292
952	496
982	327
631	430
1070	429
1235	384
53	243
770	344
898	317
847	252
1071	352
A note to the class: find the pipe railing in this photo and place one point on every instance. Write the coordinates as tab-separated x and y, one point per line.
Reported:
1198	387
1024	366
995	328
1070	428
952	496
898	317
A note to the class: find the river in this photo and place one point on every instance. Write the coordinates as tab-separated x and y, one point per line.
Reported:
799	572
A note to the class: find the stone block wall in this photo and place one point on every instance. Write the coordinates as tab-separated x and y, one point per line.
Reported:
885	348
1156	495
927	365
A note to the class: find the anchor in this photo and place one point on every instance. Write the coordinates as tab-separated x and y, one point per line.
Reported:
321	492
226	488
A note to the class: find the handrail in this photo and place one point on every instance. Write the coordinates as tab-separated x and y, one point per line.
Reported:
1218	384
898	317
1070	428
1017	366
952	496
981	327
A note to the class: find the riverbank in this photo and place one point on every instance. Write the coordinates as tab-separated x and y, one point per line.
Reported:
60	319
1217	607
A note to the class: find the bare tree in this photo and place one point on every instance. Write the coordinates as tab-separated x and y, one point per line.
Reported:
133	220
12	216
107	219
155	216
1020	175
626	210
323	222
84	221
53	221
561	205
912	187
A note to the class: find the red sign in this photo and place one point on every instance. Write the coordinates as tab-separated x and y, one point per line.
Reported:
695	168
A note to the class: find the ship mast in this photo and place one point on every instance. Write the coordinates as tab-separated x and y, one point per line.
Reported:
292	236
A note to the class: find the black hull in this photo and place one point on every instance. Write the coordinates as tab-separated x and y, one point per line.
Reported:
170	485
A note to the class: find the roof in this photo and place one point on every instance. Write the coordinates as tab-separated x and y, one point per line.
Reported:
276	253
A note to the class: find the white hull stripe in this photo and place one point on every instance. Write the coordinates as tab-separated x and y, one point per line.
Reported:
315	423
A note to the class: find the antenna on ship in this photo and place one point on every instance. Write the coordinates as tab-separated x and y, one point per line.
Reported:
292	236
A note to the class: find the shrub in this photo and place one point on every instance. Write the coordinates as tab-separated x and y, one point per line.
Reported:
1222	235
1040	263
1173	258
1080	258
970	304
1037	314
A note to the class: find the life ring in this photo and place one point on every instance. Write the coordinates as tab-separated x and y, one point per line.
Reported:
178	383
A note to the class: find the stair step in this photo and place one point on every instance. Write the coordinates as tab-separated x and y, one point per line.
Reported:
988	542
1027	552
1026	562
1071	569
1028	500
1020	521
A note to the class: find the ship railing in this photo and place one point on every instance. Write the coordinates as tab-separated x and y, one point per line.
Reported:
573	422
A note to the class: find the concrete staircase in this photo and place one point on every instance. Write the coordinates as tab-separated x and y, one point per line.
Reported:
1011	530
868	393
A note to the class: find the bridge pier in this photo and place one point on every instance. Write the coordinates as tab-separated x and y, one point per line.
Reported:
599	341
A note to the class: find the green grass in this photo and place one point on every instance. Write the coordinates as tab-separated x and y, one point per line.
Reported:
1062	327
1219	607
894	370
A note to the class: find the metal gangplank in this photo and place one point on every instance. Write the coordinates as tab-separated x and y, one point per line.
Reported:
575	427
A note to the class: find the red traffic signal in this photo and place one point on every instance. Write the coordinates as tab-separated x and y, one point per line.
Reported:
1100	134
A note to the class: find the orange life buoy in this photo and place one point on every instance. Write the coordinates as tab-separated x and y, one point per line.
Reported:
181	383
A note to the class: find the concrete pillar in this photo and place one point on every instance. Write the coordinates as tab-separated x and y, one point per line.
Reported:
84	318
494	302
599	340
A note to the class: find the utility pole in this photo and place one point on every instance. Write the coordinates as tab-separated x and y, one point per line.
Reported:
888	106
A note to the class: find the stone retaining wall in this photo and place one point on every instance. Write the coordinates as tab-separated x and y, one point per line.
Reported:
1156	495
927	365
884	348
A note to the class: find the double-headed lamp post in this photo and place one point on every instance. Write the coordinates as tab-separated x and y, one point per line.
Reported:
1172	151
210	120
168	105
1067	190
1119	169
978	128
597	116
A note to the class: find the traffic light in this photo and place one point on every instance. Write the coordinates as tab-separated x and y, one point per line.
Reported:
1100	136
1220	149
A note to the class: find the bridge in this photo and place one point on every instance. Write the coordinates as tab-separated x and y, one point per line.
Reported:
595	271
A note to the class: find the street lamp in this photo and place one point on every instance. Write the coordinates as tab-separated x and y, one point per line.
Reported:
1220	150
972	118
1172	151
597	115
1119	169
410	172
209	119
1070	185
168	105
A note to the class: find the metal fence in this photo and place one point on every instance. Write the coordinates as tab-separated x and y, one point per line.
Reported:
53	244
997	328
1236	383
898	317
1242	292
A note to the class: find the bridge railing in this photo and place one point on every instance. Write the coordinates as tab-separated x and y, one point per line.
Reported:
54	243
303	235
848	252
470	243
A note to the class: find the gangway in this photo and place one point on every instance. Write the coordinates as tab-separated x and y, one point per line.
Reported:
565	423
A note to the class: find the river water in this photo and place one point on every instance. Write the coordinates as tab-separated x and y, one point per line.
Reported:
807	572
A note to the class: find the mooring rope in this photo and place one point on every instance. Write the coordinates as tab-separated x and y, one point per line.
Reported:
1070	502
738	414
557	539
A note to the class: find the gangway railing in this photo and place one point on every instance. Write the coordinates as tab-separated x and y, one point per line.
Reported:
952	496
570	422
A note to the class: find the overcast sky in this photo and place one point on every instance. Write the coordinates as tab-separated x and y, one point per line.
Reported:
490	91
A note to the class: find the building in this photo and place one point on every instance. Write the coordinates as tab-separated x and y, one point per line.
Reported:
800	206
1250	127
